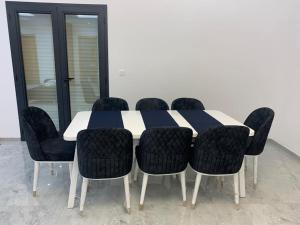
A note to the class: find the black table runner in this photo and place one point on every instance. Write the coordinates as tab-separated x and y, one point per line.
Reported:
106	119
158	118
200	120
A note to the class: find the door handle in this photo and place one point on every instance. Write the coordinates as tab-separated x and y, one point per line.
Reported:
69	78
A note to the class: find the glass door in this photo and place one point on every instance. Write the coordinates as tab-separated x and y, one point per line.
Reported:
38	62
84	33
83	66
59	54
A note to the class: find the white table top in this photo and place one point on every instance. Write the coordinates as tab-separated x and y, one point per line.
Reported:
133	121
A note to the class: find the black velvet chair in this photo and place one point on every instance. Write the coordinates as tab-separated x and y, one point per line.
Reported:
260	120
43	141
110	104
163	151
219	152
104	154
151	104
187	104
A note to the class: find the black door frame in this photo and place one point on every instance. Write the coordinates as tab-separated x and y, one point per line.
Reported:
57	12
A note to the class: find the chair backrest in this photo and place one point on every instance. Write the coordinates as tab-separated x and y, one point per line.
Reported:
37	127
164	150
220	150
110	104
187	104
151	104
104	153
260	120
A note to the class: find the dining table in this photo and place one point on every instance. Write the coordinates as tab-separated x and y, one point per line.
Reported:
138	121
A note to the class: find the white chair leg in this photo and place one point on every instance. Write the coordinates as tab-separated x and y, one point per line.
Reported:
255	165
242	180
245	159
129	178
196	189
35	177
136	170
70	169
51	168
222	181
144	186
85	182
183	187
127	193
236	188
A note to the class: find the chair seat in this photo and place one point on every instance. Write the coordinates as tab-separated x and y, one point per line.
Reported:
57	149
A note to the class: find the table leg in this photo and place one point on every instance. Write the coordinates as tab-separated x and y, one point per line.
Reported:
73	184
131	175
242	180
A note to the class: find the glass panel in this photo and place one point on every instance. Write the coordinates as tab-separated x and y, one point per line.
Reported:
39	66
82	49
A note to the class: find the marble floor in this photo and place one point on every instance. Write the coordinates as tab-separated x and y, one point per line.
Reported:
276	199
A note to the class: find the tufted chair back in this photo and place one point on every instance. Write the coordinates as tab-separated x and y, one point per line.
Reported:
187	104
110	104
164	150
220	150
104	153
37	127
260	120
151	104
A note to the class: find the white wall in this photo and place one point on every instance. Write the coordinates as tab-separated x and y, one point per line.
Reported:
9	124
235	55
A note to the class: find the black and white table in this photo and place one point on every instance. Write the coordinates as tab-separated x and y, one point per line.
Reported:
134	122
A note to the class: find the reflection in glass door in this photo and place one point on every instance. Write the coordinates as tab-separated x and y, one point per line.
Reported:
83	66
38	61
